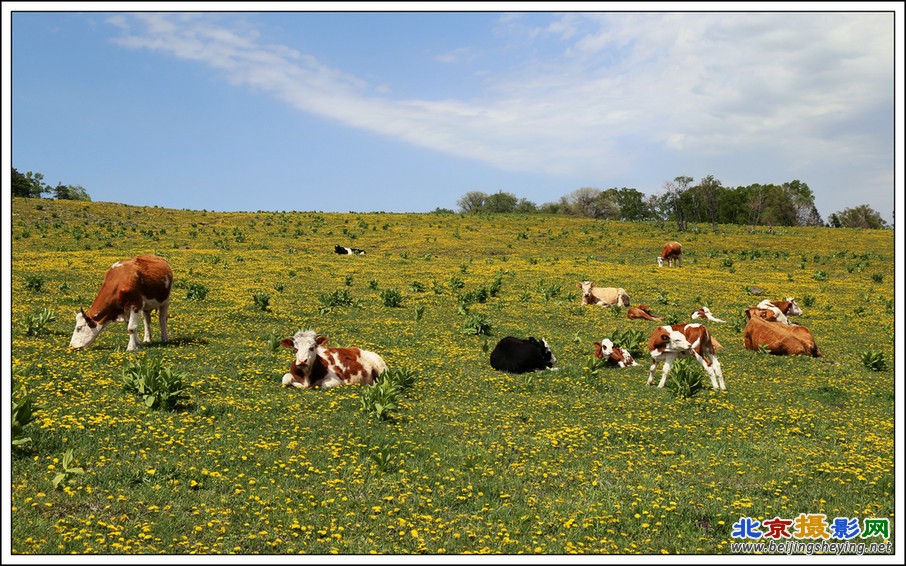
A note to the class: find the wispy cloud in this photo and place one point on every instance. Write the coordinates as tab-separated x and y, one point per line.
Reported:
617	90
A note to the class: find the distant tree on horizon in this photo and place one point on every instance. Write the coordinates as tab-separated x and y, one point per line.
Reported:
31	185
862	216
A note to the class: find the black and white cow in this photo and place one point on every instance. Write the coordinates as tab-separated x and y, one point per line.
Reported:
518	355
341	250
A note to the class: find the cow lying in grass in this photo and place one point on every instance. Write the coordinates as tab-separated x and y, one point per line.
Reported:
641	312
347	251
317	366
517	355
782	309
705	312
613	355
778	338
603	296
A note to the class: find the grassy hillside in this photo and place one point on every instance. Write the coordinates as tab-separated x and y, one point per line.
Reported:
582	459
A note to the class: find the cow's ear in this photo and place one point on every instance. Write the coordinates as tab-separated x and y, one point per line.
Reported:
599	351
665	338
287	343
321	340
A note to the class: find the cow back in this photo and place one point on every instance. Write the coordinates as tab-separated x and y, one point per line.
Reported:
129	284
779	339
516	355
350	365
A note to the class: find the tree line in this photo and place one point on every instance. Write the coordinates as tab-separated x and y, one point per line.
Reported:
681	201
708	201
32	185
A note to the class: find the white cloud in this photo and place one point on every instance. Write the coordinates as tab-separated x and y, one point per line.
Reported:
621	89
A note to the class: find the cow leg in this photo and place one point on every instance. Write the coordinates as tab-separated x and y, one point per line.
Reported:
330	381
146	319
134	315
718	372
651	371
163	314
668	363
709	369
290	380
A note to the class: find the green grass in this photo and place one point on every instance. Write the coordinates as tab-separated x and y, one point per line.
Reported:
469	460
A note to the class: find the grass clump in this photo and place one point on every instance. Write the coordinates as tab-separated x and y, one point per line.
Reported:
158	386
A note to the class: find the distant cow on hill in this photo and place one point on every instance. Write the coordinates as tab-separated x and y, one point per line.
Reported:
671	254
347	251
603	296
131	288
517	355
317	366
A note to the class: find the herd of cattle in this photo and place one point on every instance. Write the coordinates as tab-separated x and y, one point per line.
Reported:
134	287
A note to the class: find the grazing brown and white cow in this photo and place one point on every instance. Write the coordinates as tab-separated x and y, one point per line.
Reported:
705	312
613	355
780	339
603	296
130	287
782	309
670	342
671	254
317	366
641	312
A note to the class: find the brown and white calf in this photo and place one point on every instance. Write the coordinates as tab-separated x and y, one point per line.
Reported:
671	254
641	312
667	343
130	287
613	355
705	312
317	366
782	309
603	296
780	339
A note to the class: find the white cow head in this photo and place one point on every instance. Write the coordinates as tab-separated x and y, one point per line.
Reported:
305	344
673	340
794	307
660	262
587	286
86	331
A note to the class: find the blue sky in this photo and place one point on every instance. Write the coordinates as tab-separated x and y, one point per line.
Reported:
407	112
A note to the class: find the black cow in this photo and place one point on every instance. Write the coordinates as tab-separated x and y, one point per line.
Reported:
517	355
341	250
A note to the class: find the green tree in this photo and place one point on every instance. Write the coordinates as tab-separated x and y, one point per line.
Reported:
552	208
862	216
582	202
804	203
472	202
70	192
525	205
29	185
632	205
674	193
500	202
